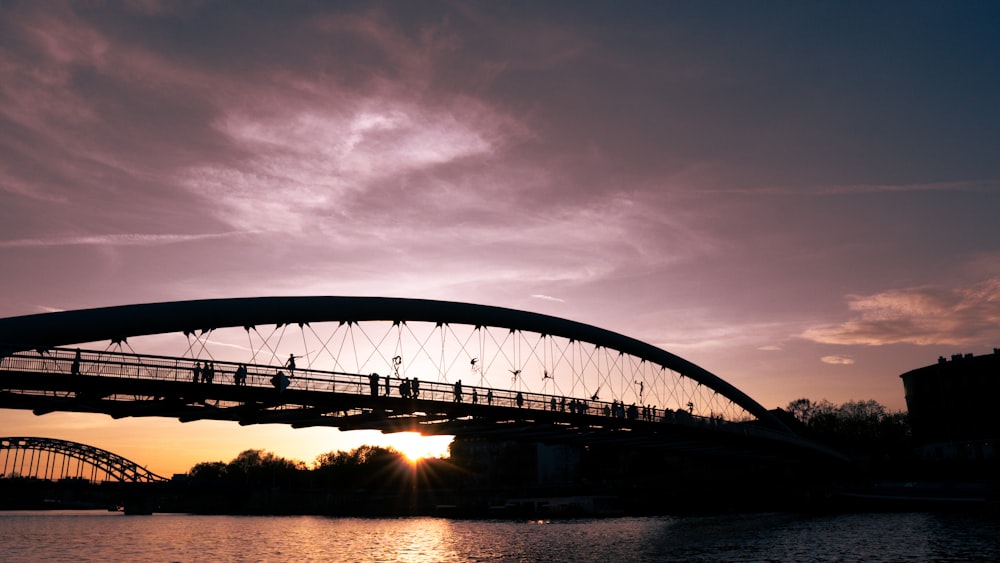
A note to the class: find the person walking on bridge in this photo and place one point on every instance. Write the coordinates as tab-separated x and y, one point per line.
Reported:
290	364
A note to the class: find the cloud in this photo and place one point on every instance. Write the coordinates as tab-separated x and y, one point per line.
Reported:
854	189
547	298
117	240
837	360
922	316
310	164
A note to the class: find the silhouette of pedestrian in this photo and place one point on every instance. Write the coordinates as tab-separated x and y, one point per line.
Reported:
75	368
290	364
458	391
519	399
279	381
388	387
415	388
373	384
475	396
489	396
196	370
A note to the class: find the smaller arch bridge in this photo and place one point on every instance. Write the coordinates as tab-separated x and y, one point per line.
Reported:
53	460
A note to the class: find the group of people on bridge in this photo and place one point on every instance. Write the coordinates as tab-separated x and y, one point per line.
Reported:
206	374
203	374
408	388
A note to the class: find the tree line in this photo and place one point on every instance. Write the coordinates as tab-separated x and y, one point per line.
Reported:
369	467
858	428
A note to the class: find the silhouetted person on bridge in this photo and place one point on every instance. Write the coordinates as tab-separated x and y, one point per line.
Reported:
519	399
388	386
415	388
489	396
290	364
373	384
280	381
208	375
75	368
240	376
404	388
458	391
552	404
475	396
196	371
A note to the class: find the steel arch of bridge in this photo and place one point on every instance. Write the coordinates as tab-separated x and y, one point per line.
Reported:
117	324
48	458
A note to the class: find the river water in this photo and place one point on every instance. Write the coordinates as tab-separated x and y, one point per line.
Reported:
107	536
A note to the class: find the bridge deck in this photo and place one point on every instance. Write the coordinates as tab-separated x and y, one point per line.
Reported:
125	385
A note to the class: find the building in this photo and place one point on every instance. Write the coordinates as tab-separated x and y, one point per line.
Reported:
953	406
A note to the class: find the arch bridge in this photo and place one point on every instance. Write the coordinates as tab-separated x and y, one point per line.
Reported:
53	460
391	364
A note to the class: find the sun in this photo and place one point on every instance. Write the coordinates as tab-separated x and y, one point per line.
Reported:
416	447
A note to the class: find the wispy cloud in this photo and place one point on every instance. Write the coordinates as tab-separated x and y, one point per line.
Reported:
848	189
307	166
837	360
118	240
922	316
547	298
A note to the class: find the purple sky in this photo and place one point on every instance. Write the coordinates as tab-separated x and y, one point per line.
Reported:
801	197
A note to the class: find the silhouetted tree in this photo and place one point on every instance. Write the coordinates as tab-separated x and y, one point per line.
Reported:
364	466
805	410
252	467
859	426
208	470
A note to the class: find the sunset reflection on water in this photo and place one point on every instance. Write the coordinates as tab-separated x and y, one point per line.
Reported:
104	536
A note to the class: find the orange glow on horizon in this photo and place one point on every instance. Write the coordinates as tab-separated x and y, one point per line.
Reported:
416	447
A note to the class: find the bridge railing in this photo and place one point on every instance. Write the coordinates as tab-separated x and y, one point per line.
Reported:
165	368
